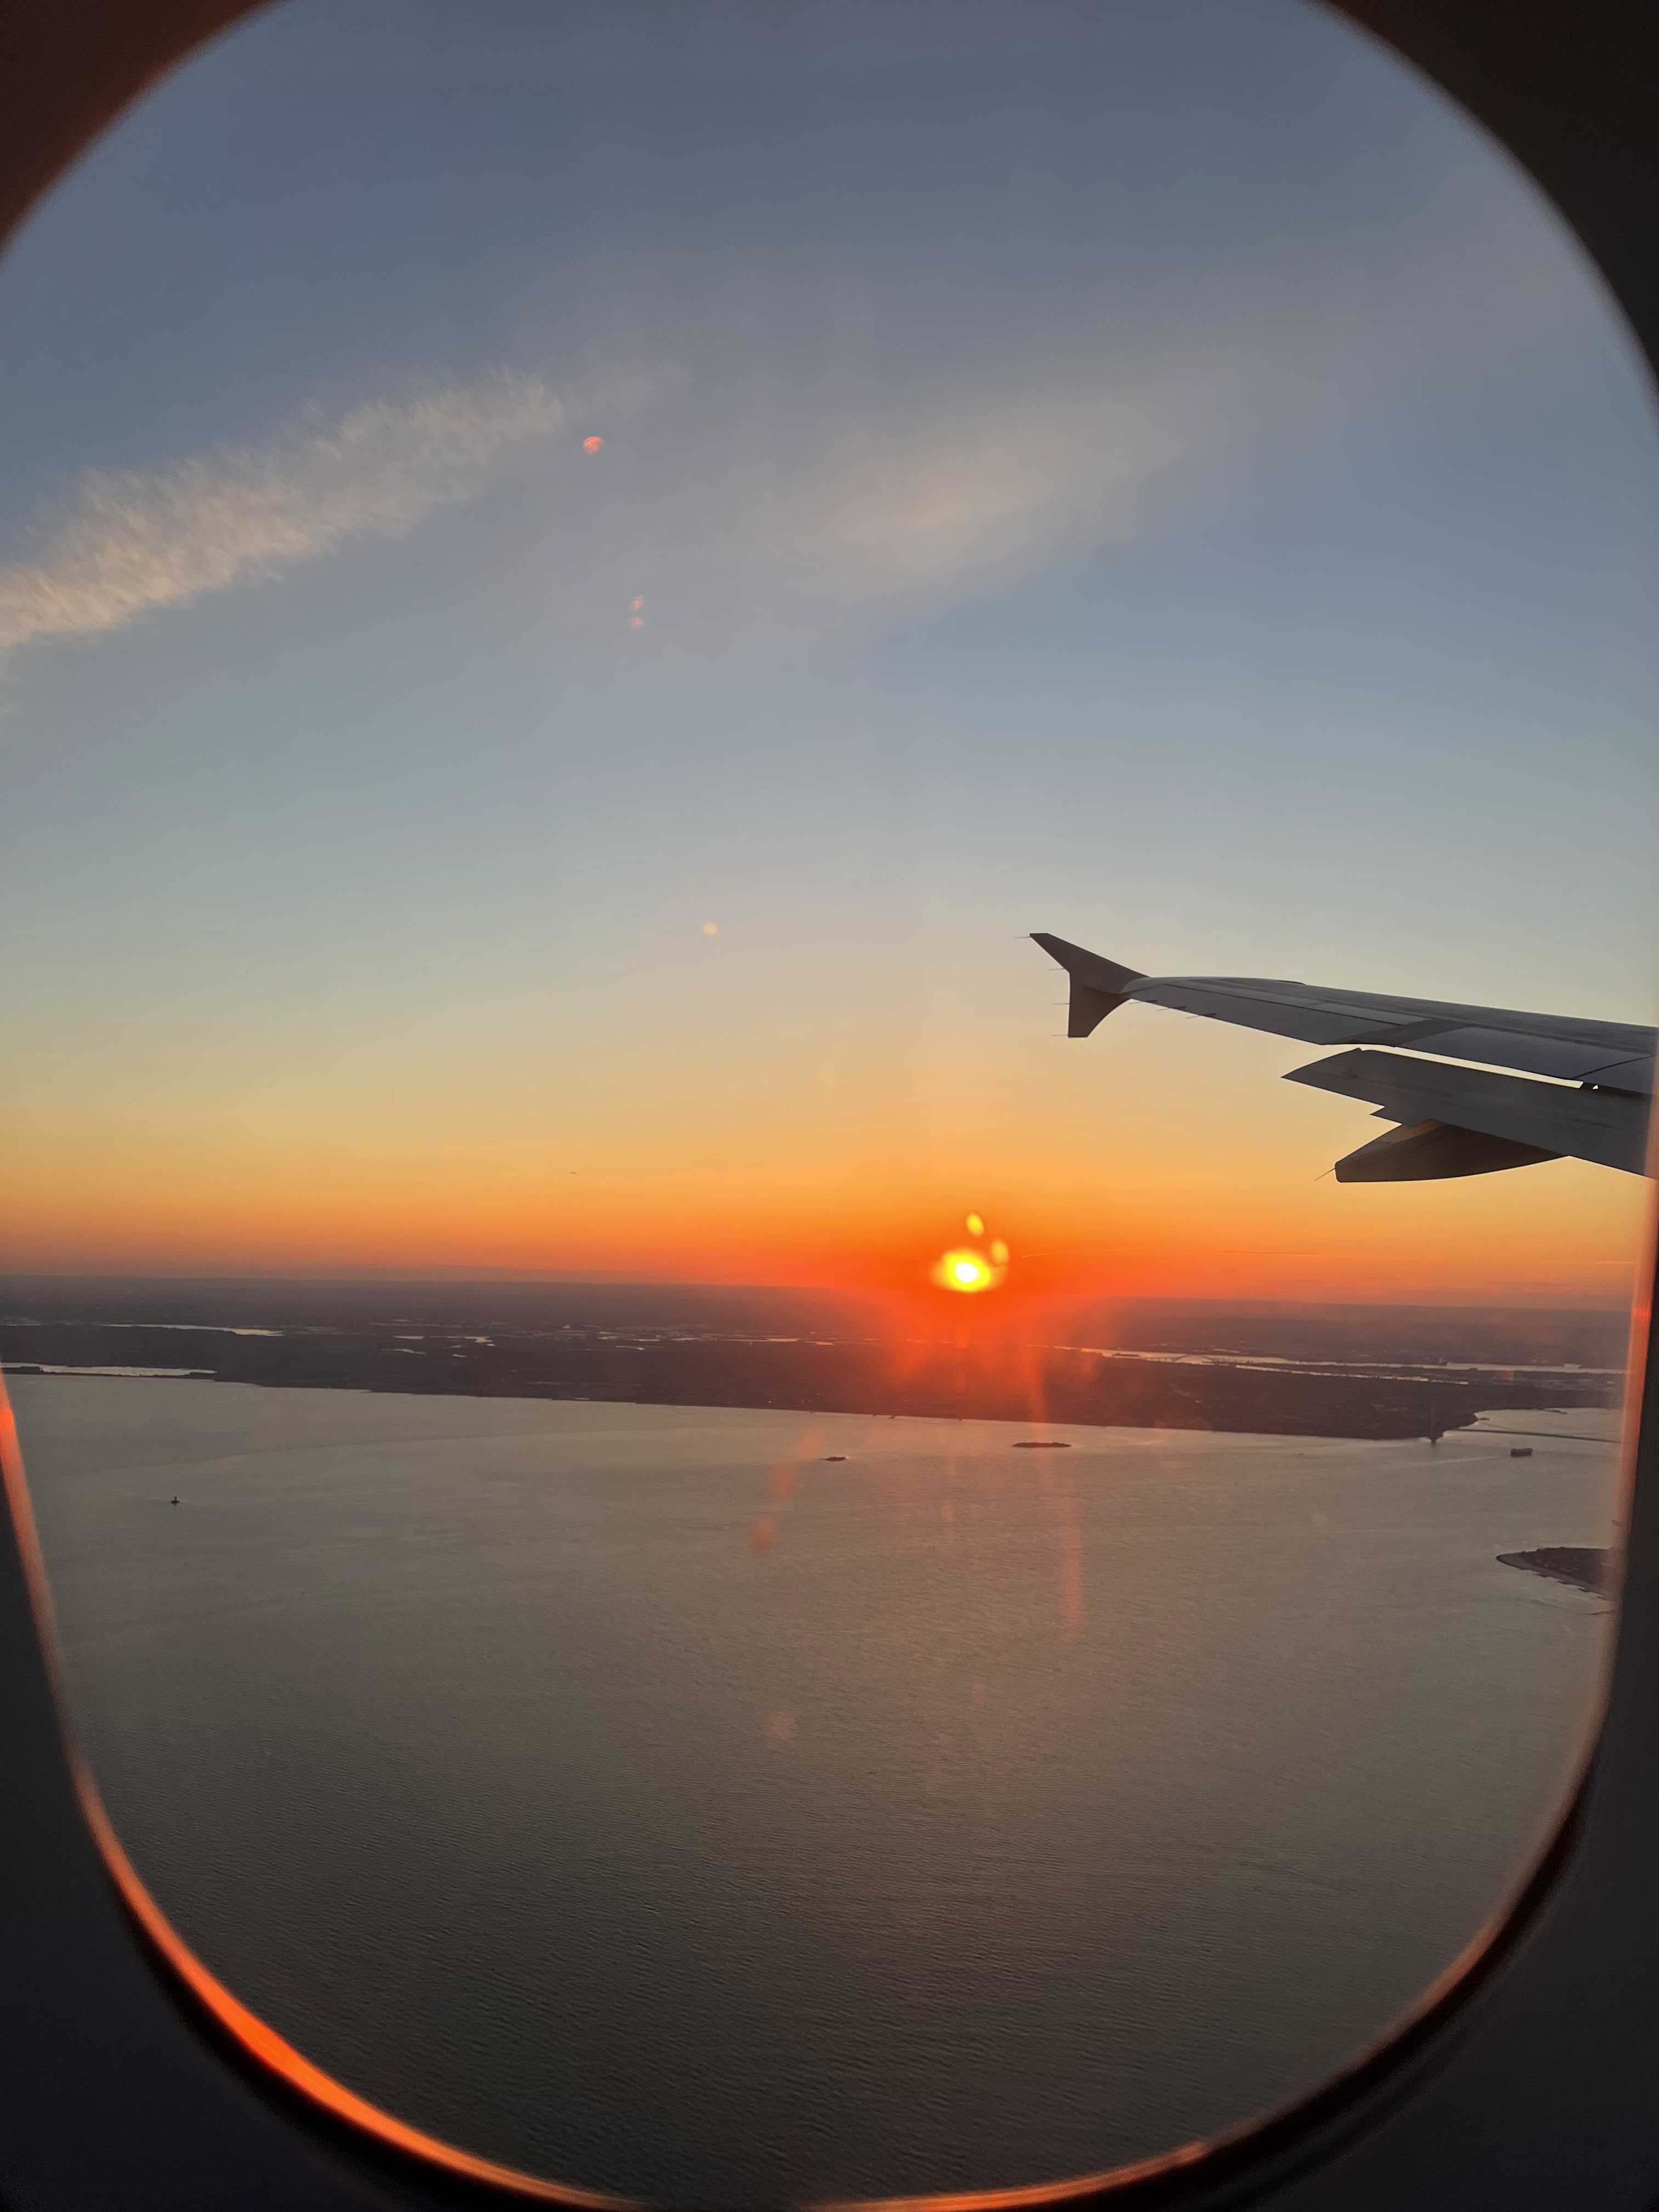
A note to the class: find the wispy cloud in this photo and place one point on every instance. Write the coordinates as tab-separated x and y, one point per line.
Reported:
757	504
132	543
980	496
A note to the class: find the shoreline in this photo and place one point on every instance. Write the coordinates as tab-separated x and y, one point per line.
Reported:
1240	1401
1584	1567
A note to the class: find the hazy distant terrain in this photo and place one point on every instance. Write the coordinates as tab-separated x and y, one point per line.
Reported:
1378	1372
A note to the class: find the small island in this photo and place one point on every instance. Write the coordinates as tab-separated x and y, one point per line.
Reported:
1581	1566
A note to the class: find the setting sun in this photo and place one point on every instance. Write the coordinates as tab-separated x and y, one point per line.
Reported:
965	1271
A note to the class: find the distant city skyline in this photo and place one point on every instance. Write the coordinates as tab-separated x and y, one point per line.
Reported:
576	581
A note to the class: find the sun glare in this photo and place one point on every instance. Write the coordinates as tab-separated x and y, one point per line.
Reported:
966	1271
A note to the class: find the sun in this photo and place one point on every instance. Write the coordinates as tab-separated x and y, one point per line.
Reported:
966	1271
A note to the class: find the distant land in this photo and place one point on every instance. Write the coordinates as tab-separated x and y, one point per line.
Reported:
1376	1371
1583	1566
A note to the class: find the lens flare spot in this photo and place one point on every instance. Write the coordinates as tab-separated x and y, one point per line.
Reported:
999	1253
711	929
593	445
967	1272
975	1226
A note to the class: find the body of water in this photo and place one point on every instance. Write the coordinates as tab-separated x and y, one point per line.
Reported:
645	1796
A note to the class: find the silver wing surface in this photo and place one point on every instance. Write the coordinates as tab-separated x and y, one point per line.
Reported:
1584	1089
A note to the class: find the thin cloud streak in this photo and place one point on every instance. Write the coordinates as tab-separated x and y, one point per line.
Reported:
133	544
989	495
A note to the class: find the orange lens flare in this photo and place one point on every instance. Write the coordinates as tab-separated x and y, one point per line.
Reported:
967	1272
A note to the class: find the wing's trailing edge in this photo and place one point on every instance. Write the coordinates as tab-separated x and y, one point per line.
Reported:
1432	1152
1545	1119
1455	1121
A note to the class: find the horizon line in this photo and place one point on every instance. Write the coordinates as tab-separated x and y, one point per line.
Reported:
608	1279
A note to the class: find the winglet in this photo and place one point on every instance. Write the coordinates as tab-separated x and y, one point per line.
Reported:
1098	986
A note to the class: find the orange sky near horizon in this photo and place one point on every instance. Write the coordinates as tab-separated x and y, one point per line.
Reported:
539	718
1163	1159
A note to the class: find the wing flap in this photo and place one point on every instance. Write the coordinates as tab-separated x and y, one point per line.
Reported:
1607	1127
1436	1152
1569	1060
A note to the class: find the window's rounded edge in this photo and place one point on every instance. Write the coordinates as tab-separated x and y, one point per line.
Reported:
1564	88
62	91
288	2070
1247	2162
197	1997
71	67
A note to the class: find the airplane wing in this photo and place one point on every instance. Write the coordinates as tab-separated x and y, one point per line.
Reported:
1592	1104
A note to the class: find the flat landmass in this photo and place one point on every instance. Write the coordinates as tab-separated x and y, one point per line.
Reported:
1582	1565
1383	1372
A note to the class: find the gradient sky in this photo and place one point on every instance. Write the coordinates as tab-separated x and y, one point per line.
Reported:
1143	469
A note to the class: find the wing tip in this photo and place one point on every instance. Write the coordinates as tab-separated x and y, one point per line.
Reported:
1099	986
1094	969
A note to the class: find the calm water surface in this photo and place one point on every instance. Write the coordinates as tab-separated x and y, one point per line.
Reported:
634	1793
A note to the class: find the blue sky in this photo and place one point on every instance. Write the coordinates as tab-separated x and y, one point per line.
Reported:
1150	471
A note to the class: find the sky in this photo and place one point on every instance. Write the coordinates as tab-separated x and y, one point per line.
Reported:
575	578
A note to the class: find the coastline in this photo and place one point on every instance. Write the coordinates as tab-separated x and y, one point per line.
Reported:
1580	1566
1033	1384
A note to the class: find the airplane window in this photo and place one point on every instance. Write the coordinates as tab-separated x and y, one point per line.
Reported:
698	702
